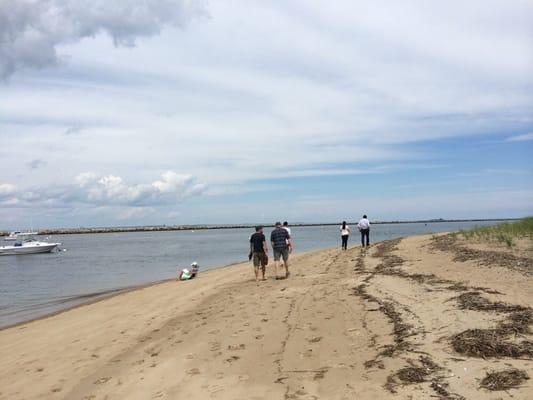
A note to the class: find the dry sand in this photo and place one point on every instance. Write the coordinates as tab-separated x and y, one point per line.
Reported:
345	325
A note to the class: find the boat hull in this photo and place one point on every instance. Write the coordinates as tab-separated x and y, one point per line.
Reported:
19	250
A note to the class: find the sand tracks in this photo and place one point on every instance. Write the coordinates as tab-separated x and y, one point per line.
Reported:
432	324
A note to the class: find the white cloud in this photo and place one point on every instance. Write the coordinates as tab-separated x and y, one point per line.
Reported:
135	212
91	189
520	138
30	30
172	180
7	189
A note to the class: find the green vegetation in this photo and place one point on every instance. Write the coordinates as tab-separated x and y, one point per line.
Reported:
503	233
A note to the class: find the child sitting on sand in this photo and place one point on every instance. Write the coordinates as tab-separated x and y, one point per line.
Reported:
186	274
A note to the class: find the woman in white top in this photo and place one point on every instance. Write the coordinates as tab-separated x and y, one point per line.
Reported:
345	233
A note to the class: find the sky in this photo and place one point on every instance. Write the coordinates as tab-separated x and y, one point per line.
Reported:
245	111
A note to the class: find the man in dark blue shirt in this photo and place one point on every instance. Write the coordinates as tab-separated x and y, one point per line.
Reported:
281	240
258	252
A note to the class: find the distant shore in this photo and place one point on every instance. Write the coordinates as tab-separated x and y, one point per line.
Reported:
162	228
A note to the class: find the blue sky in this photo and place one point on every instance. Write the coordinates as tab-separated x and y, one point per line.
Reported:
173	111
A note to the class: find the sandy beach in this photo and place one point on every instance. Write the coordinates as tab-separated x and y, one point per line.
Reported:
407	319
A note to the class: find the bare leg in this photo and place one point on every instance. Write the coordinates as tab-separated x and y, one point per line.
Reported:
263	273
256	271
286	263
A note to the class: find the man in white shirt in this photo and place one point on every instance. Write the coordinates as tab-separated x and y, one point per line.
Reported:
286	227
364	228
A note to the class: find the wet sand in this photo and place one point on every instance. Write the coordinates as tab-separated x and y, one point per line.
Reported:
345	325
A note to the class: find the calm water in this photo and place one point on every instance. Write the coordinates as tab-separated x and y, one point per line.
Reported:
97	264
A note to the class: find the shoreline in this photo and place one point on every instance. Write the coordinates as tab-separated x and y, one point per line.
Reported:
173	228
105	296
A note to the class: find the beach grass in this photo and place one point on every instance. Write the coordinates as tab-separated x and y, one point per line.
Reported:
505	233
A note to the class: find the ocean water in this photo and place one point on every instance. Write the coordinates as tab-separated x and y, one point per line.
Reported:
94	265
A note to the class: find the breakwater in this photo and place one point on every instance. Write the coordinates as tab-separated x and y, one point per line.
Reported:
164	228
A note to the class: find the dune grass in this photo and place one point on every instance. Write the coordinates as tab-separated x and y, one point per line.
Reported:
505	233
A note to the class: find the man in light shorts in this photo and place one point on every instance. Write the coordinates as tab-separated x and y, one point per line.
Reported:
281	241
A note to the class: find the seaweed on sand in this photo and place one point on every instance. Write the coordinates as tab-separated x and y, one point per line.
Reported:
412	374
503	380
474	301
386	247
485	343
449	243
517	323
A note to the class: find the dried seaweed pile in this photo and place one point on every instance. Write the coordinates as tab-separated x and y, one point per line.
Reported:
496	342
385	248
517	323
474	301
412	374
504	380
401	329
391	262
425	370
449	243
485	343
360	265
415	372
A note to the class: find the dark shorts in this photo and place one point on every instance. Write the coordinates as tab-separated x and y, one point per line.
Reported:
260	259
281	252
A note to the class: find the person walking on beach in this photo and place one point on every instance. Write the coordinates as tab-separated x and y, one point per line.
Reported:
259	252
286	227
281	241
345	234
364	228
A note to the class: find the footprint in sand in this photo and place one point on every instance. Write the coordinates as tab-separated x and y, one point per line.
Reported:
219	375
232	359
213	332
102	380
315	339
215	388
259	337
320	374
194	371
235	347
214	346
308	353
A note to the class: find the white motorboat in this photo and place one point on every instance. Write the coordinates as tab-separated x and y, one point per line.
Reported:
26	244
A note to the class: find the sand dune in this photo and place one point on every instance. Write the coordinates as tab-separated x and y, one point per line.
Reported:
346	325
